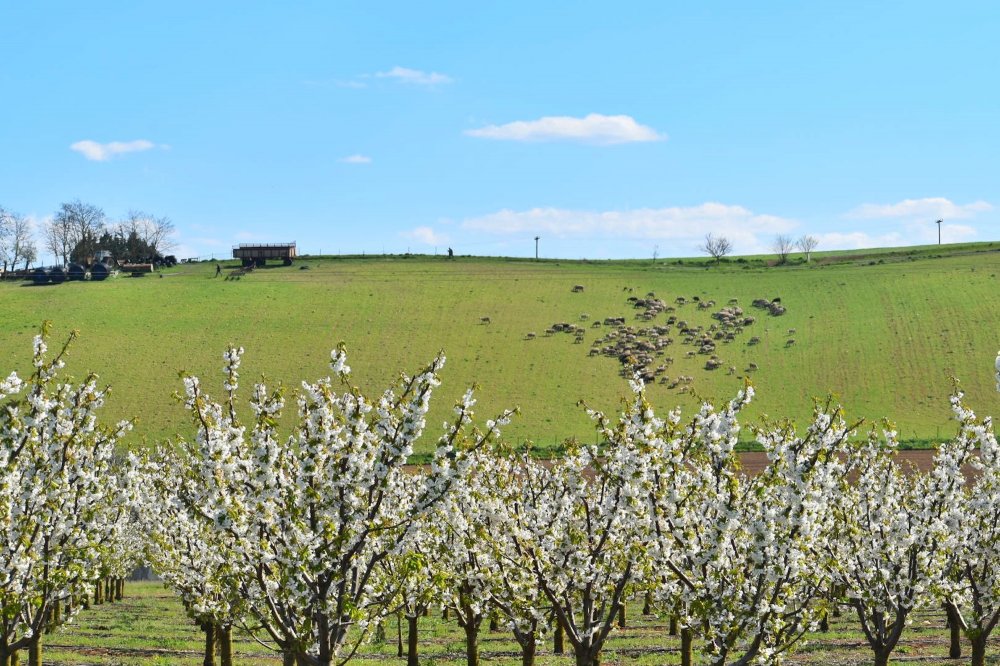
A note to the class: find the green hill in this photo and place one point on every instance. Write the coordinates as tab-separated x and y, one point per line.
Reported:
883	330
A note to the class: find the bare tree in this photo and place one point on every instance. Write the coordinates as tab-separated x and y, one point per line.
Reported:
716	247
58	239
5	224
783	246
77	226
807	244
156	232
16	242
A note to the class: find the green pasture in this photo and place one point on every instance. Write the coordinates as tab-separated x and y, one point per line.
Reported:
149	628
883	331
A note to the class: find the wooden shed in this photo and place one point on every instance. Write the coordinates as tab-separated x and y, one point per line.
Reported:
257	254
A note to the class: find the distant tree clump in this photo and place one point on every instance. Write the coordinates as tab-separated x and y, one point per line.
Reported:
79	230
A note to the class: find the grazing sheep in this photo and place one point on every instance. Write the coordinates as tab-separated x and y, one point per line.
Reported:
789	342
485	321
752	366
732	370
530	336
584	316
577	288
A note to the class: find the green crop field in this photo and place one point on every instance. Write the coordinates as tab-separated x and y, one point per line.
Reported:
884	331
149	628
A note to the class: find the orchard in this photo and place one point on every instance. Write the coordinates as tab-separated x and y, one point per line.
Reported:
315	540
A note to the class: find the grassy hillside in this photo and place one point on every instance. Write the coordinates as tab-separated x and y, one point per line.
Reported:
883	331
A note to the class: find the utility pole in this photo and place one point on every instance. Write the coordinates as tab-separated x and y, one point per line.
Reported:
536	247
939	231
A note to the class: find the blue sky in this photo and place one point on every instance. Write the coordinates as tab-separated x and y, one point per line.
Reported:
607	129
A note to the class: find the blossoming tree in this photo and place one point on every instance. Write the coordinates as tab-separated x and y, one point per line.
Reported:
307	519
59	513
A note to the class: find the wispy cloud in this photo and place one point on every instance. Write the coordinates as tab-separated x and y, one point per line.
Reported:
102	152
592	128
682	226
356	159
415	76
427	236
930	207
910	233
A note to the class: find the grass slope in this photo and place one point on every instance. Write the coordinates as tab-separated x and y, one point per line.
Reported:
883	331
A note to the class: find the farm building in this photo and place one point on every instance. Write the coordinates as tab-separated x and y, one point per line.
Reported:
256	254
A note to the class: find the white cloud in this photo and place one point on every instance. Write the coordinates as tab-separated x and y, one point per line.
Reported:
414	76
427	236
683	226
856	240
912	233
592	128
356	159
927	208
101	152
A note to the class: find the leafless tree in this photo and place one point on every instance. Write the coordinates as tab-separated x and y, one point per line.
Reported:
716	247
74	223
783	246
58	239
157	232
16	242
807	244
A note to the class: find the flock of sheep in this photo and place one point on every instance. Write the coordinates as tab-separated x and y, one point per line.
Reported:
643	349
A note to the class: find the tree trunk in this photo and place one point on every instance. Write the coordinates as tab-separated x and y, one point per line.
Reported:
209	630
288	657
15	658
882	656
558	646
411	642
687	642
399	635
528	649
621	616
955	630
979	650
673	625
472	643
444	614
824	622
494	623
120	592
4	657
588	657
647	606
226	646
35	651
